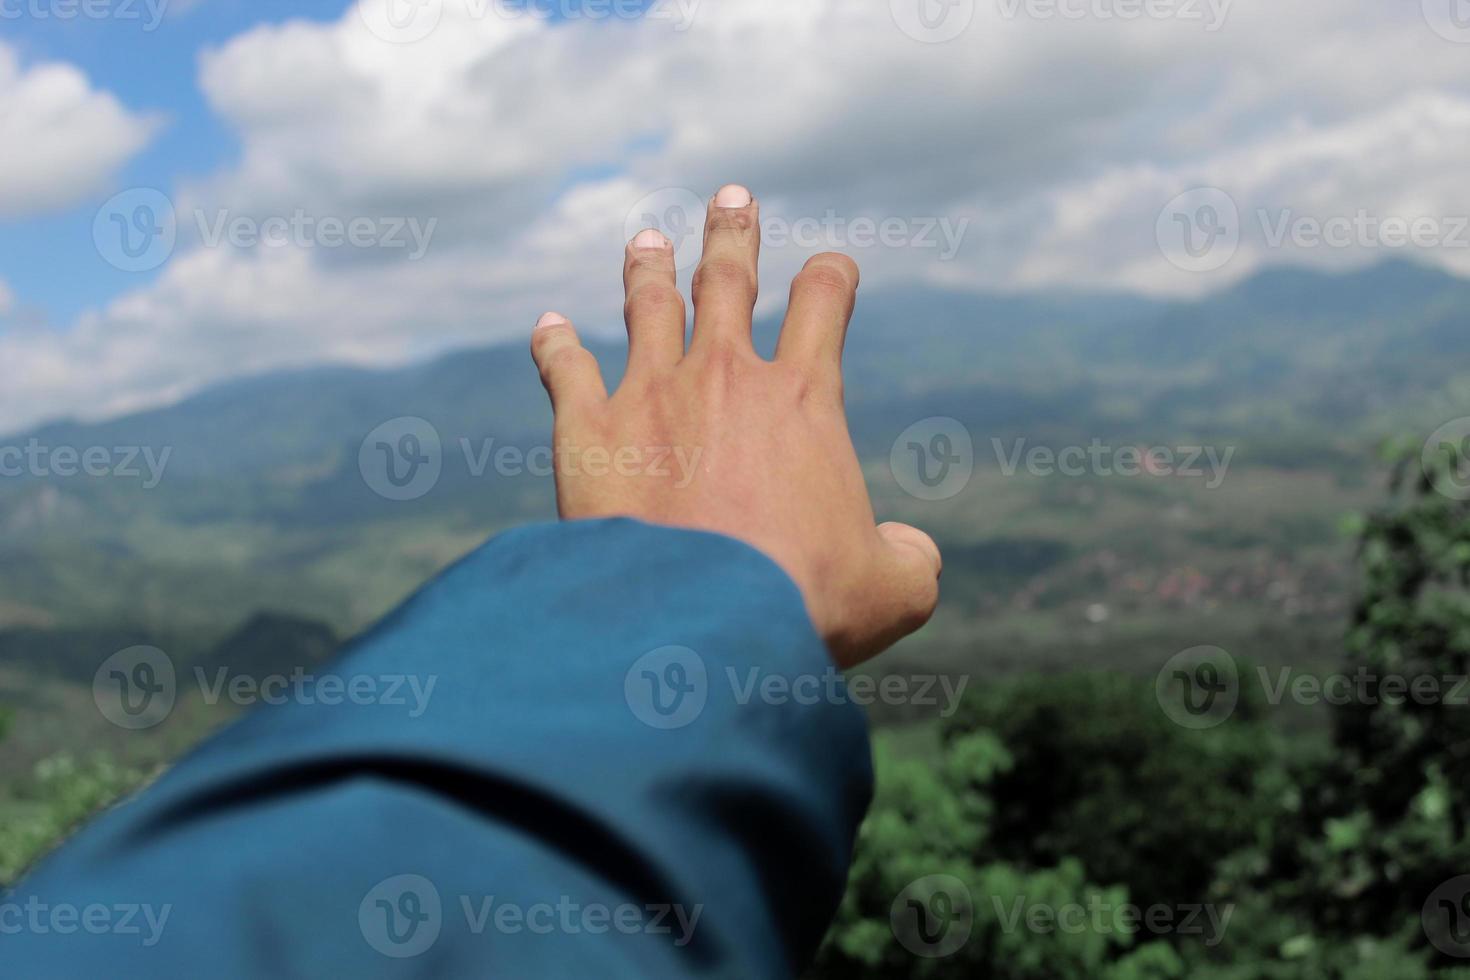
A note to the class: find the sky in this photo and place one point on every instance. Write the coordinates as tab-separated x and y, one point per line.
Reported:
195	190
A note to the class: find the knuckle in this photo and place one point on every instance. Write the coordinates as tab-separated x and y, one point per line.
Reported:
649	260
724	275
660	401
821	401
565	360
721	355
793	383
824	392
837	263
547	338
740	221
825	279
652	299
655	390
722	362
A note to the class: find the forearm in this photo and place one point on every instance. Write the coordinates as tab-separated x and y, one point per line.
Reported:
538	772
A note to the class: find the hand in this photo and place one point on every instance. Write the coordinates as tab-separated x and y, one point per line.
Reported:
754	449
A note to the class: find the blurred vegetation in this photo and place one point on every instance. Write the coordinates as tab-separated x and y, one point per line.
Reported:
63	794
44	799
1275	856
1076	791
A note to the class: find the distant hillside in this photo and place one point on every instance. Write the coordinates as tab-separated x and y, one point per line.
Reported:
262	503
1396	322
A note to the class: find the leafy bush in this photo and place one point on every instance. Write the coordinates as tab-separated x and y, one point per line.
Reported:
66	791
1077	789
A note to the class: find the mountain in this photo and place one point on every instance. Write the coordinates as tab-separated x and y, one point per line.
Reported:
262	504
269	644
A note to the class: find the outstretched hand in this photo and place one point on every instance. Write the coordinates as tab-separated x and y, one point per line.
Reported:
765	452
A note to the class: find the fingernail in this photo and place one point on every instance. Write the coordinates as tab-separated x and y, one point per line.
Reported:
650	238
550	320
733	196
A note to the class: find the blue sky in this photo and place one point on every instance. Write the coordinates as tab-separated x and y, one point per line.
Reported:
494	163
50	260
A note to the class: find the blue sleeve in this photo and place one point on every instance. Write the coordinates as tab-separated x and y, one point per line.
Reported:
613	750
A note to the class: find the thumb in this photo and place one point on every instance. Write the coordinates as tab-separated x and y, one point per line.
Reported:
906	538
907	588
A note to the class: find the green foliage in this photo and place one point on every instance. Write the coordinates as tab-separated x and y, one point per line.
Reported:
1075	791
1413	621
1076	788
65	793
929	821
1098	763
1396	808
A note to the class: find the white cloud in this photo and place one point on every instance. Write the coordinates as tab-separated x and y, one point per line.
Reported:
7	298
1054	143
1304	194
62	138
